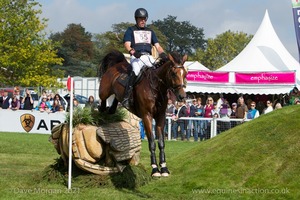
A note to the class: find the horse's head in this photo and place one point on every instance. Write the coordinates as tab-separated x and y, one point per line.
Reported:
177	75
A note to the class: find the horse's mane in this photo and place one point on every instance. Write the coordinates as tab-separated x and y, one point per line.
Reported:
115	56
112	58
176	56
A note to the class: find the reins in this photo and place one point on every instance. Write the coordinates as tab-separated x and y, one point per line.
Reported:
160	81
156	83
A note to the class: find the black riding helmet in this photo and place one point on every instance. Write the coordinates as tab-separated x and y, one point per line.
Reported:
141	12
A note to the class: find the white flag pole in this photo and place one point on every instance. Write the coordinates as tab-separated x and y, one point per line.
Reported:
70	134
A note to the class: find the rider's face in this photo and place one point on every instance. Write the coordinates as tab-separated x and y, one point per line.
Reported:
141	21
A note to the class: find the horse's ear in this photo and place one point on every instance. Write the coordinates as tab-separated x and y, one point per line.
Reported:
171	58
186	69
185	57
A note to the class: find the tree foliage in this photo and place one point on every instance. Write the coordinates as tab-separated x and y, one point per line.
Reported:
181	36
222	49
77	49
104	42
114	39
26	54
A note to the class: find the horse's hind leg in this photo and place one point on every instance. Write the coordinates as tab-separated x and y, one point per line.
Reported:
151	142
112	109
161	145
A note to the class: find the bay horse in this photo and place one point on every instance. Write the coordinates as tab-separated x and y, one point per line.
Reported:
149	95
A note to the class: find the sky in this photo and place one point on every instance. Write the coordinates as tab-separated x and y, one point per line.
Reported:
214	16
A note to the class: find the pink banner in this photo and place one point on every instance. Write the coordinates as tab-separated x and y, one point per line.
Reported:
208	77
266	78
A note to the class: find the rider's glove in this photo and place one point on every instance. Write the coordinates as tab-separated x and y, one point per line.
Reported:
131	51
137	54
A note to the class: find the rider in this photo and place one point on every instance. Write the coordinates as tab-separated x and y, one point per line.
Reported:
138	41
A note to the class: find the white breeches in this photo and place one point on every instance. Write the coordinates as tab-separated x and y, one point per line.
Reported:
139	63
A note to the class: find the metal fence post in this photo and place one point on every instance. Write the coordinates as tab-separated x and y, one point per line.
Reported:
169	127
213	128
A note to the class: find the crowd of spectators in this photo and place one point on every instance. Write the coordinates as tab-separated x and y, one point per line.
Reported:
48	102
242	109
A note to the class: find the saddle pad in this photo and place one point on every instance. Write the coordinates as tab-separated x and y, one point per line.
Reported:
123	79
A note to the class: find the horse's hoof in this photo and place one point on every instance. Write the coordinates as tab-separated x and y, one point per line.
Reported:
155	172
164	171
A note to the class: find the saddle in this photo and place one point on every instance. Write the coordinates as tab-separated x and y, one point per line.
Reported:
123	79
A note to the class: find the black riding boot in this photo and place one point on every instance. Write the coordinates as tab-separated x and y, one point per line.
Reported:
129	89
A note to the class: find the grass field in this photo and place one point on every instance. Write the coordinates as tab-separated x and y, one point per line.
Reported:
256	160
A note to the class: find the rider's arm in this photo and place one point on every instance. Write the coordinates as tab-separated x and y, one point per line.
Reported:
128	48
158	48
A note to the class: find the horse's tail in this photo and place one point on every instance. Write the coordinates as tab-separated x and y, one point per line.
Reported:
111	59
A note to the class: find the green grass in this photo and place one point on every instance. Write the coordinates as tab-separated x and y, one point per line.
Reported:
256	160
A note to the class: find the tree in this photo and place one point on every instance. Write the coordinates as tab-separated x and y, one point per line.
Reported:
222	49
114	39
181	36
109	40
26	55
77	49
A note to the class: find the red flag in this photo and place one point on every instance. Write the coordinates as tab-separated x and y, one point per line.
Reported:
69	83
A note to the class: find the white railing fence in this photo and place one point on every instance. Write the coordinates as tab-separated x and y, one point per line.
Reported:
213	126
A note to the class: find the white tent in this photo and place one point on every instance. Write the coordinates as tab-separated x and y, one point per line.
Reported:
264	53
195	66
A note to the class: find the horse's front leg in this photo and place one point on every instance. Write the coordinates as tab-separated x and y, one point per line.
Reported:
103	95
151	142
112	109
102	107
161	145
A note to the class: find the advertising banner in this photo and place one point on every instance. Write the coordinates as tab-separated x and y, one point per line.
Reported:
266	78
27	121
208	77
296	14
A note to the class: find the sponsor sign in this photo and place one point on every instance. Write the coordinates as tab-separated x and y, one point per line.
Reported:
29	121
266	78
208	77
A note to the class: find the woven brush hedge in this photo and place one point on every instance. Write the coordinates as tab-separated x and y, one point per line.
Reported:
87	116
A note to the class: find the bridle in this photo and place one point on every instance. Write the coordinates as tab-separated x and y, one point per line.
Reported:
178	86
170	73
